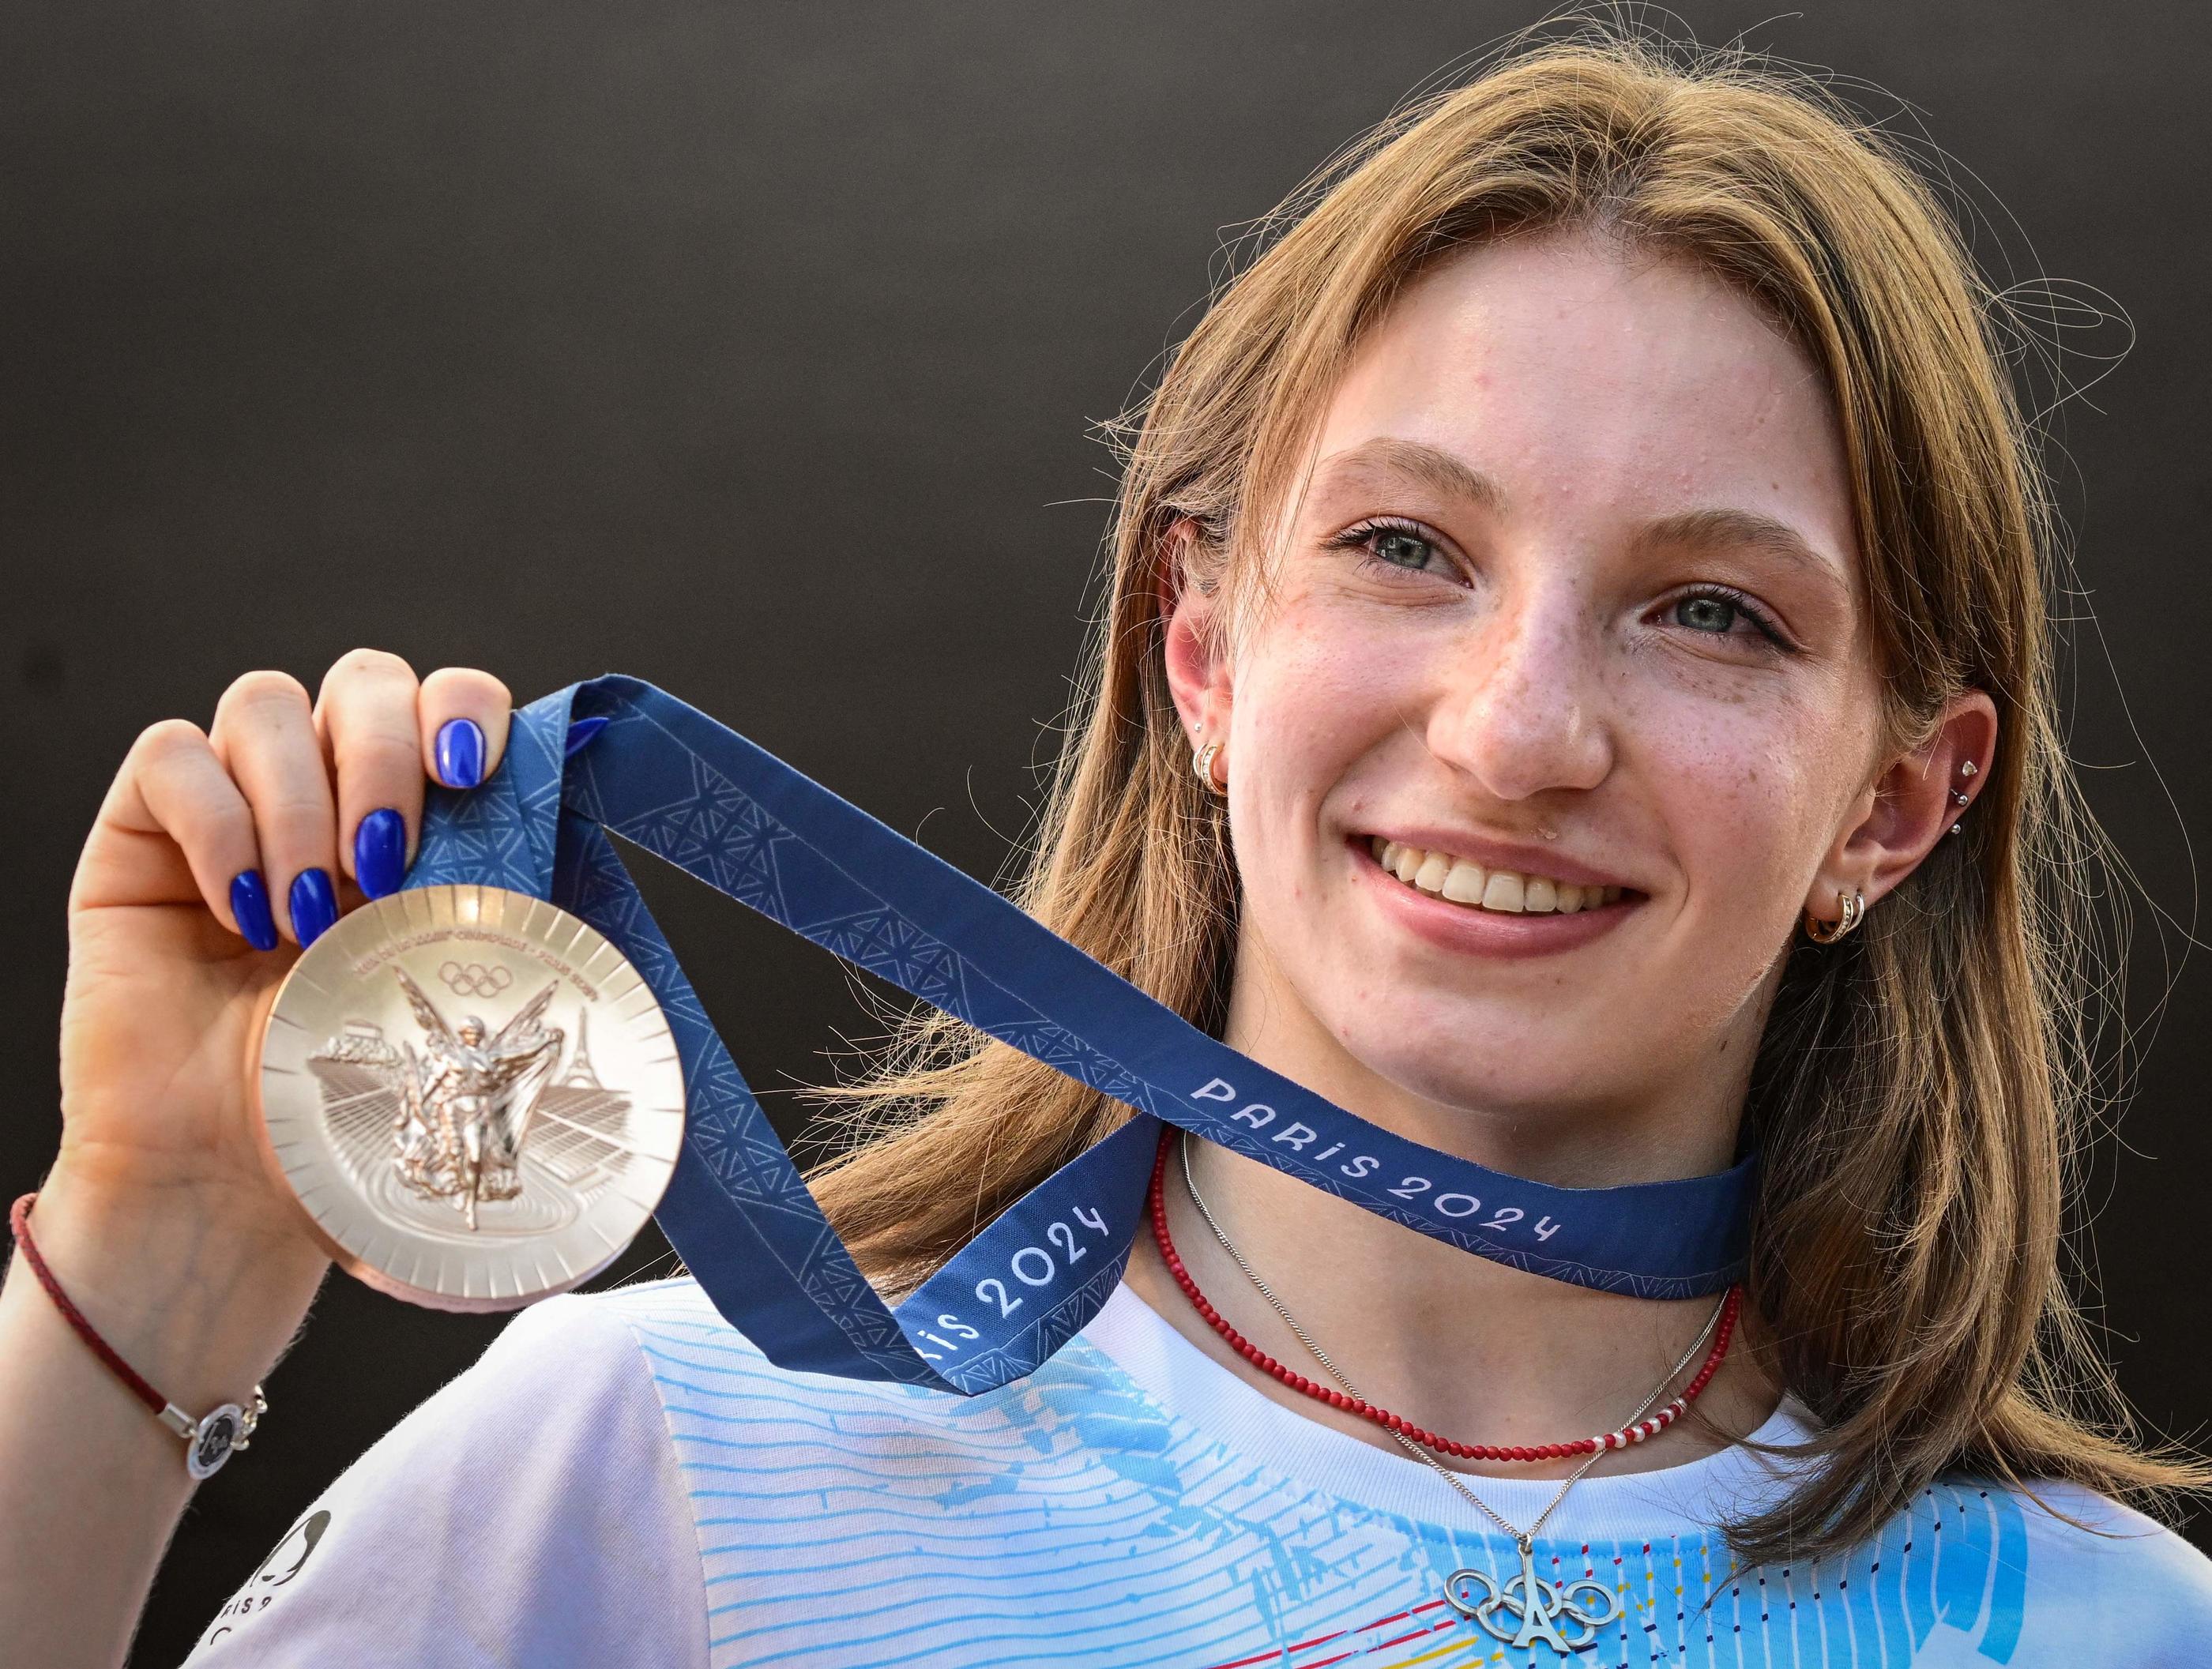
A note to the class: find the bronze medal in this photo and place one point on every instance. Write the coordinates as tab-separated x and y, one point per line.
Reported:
474	1094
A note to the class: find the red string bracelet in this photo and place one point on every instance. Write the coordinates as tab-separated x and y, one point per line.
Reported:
208	1441
1621	1437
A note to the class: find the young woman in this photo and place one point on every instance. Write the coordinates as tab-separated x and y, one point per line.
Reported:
1593	560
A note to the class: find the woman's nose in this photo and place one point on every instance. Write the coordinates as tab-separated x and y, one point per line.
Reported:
1521	707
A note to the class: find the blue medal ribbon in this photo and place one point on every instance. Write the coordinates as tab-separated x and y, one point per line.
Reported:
665	776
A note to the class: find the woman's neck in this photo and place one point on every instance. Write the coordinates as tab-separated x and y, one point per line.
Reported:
1467	1348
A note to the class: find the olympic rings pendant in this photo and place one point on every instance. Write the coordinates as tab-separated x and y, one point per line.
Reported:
1534	1610
474	1094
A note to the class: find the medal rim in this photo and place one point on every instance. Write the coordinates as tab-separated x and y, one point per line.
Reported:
373	1275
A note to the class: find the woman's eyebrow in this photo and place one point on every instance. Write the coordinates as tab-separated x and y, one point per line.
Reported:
1438	469
1747	530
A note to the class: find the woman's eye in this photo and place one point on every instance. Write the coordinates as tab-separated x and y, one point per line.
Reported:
1400	548
1706	613
1716	613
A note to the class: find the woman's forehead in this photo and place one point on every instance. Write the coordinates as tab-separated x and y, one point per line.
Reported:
1567	377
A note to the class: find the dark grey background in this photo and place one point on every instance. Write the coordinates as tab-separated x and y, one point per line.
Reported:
753	349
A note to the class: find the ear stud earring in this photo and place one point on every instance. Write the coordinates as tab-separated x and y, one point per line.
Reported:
1966	768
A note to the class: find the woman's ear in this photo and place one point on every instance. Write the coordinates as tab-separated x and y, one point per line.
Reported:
1912	805
1191	625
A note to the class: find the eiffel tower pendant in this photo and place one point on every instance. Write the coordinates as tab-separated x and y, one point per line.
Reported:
1525	1609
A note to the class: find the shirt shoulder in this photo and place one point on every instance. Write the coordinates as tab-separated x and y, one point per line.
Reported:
530	1511
2101	1582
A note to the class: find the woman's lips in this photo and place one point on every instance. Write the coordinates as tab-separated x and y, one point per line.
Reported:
1493	878
1471	928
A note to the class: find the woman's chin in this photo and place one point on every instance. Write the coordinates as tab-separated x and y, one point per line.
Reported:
1541	1087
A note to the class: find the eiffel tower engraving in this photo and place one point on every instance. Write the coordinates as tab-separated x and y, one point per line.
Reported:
580	1073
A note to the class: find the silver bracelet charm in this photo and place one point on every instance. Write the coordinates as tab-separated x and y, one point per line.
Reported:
216	1435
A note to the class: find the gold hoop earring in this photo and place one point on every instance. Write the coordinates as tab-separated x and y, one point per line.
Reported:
1201	762
1822	932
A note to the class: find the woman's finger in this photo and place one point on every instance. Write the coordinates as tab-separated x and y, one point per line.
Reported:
462	715
264	734
366	716
172	789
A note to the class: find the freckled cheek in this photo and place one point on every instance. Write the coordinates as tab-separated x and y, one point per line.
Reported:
1741	810
1348	648
1308	711
1306	700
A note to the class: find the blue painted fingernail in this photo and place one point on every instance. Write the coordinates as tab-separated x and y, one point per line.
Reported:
460	753
314	906
249	904
379	853
579	736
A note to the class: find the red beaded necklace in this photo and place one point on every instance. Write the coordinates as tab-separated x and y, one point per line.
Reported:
1621	1437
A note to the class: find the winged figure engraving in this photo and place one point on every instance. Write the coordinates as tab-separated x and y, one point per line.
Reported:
465	1106
450	1111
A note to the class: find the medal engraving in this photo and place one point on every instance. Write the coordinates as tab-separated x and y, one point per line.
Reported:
464	1149
464	1103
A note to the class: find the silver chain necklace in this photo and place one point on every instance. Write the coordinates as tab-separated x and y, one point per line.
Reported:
1532	1608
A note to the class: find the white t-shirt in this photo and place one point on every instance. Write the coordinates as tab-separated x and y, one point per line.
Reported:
623	1480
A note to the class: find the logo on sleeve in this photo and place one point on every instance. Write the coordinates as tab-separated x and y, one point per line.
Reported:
282	1564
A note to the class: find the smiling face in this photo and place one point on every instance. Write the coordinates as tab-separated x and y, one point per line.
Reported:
1569	601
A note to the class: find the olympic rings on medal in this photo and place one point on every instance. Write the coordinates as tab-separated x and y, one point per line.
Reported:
474	979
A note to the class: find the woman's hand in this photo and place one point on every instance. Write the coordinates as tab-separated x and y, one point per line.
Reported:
215	855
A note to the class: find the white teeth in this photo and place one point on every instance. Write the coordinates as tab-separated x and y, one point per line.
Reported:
1465	884
1440	874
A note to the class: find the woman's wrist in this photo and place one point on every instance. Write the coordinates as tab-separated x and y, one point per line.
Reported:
199	1300
199	1289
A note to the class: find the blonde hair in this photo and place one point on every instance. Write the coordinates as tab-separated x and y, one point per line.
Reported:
1920	1085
